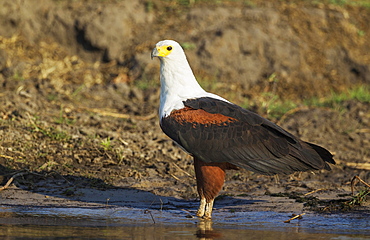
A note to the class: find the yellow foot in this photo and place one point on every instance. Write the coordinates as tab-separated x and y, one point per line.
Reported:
205	209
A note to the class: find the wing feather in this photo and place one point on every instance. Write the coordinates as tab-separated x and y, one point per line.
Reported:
217	131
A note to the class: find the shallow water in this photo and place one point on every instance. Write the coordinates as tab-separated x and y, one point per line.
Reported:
136	223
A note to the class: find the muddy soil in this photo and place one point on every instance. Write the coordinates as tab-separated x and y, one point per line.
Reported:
79	99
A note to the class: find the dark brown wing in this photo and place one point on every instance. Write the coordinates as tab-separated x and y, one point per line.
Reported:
217	131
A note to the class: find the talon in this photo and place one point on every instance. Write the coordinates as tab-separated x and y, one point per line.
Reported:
208	210
205	209
202	207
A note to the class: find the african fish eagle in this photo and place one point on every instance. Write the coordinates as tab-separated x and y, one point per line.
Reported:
221	135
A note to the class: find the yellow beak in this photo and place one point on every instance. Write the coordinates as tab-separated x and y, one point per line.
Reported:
160	52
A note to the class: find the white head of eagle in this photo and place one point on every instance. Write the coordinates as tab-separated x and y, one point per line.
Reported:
178	82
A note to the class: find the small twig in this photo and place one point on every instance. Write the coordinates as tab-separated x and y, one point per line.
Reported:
314	191
363	130
148	211
178	179
362	166
11	180
120	115
38	174
189	215
33	122
290	112
299	216
276	179
123	142
60	175
182	170
5	156
161	204
353	183
147	117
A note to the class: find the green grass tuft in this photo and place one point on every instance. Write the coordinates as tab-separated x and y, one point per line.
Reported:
359	93
106	144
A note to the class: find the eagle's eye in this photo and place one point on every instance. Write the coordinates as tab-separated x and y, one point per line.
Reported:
169	48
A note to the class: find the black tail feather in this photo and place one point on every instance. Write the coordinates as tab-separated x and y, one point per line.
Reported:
324	154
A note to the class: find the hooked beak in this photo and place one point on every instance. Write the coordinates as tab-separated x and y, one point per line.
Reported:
155	53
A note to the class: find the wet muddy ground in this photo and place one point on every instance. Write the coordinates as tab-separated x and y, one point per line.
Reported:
135	214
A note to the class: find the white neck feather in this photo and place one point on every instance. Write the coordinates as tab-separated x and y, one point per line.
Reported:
178	84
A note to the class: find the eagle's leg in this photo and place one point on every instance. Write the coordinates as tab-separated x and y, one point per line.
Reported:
205	208
210	179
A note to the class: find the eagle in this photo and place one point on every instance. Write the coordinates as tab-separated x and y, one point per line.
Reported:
221	135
